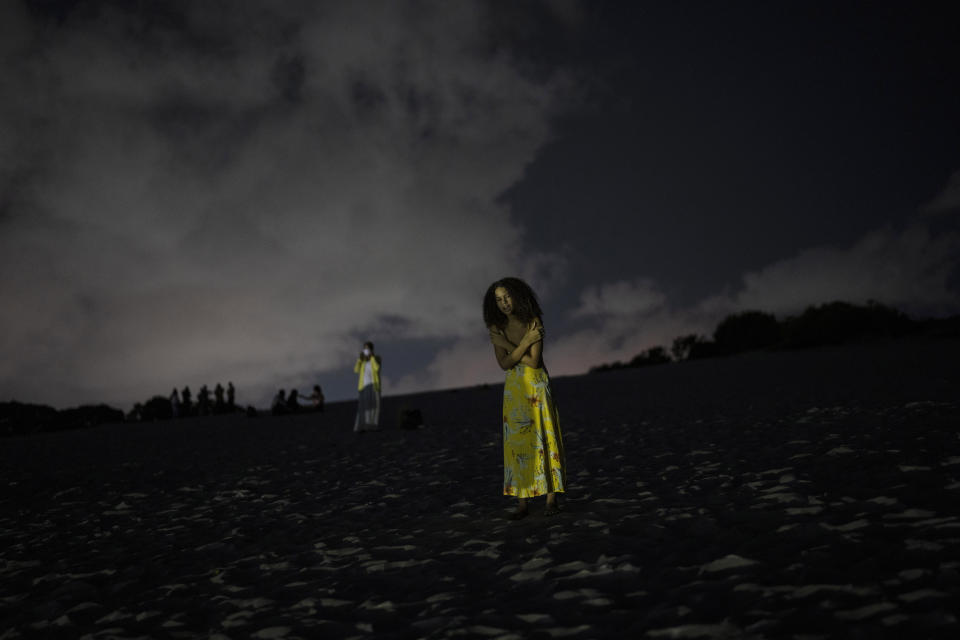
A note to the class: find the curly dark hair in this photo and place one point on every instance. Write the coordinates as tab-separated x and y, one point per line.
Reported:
525	305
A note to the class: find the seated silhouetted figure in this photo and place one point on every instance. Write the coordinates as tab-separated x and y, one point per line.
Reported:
316	398
279	406
293	401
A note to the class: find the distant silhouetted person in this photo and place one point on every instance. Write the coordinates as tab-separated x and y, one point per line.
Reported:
279	405
231	397
218	404
316	398
533	457
203	401
293	401
186	400
175	403
368	404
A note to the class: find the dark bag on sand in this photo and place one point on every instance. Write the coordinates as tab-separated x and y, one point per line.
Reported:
411	419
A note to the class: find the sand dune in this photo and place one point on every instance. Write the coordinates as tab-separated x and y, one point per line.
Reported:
809	494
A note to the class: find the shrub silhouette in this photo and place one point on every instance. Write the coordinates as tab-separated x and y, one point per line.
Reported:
607	367
747	331
648	357
703	349
831	323
87	416
839	322
686	347
941	327
652	356
157	408
17	418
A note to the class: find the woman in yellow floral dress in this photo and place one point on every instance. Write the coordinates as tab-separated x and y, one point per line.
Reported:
533	460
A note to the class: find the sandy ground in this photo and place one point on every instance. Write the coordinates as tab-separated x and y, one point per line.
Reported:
792	495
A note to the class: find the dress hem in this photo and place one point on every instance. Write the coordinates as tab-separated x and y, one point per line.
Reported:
532	495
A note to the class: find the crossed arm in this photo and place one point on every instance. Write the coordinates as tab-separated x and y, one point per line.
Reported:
528	351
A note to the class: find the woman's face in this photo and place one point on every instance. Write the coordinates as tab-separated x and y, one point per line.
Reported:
504	301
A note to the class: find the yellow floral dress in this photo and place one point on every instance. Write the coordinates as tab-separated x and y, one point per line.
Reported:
533	460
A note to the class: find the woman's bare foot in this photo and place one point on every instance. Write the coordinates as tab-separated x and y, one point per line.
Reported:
551	509
521	510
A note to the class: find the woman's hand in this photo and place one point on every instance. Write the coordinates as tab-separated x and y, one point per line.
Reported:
539	325
534	334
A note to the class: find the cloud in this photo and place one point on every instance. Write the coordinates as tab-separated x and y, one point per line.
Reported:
909	269
208	194
623	298
465	363
948	200
619	339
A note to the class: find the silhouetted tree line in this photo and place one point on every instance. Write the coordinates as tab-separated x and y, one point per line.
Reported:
827	324
18	418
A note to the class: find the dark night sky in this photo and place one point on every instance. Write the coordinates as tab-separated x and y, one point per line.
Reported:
192	193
